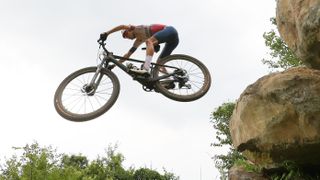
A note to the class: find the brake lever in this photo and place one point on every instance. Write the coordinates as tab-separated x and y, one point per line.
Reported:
101	42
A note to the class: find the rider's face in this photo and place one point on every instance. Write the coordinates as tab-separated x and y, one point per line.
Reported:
130	35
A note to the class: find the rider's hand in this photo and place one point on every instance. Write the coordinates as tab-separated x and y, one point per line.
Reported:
103	36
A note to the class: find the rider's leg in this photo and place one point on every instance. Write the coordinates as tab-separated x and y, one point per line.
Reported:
150	51
170	37
167	50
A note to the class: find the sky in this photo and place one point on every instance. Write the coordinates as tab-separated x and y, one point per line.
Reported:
41	42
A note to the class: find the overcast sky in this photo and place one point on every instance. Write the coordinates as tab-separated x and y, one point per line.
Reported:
41	42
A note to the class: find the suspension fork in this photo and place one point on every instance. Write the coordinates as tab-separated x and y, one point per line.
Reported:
96	79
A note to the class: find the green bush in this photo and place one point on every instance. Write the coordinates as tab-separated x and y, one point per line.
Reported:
39	163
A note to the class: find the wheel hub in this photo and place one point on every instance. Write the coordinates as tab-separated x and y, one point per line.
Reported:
88	90
182	76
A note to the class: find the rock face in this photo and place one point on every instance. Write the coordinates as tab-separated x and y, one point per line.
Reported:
299	25
278	118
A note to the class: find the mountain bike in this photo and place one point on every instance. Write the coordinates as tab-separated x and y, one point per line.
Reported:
90	92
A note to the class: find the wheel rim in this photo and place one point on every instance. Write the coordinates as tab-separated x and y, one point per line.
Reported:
80	99
193	75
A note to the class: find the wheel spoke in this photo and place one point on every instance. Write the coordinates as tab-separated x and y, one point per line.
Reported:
68	96
101	97
76	85
197	81
196	75
75	102
95	97
195	85
91	104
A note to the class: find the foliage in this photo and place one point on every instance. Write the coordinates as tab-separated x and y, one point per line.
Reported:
169	175
249	167
220	119
145	173
76	161
38	163
282	57
290	170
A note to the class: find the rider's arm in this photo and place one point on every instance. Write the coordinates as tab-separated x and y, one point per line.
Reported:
136	44
127	55
118	28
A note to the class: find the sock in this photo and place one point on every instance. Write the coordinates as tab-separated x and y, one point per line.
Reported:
147	63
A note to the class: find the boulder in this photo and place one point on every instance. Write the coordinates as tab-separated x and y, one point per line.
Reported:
298	23
278	118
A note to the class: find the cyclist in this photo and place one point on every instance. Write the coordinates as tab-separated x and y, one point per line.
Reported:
152	35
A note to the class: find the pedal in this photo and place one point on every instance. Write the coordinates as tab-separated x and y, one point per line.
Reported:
131	66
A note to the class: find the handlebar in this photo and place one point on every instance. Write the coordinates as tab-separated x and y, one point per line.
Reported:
103	45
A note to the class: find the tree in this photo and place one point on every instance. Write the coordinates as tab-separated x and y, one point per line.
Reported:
38	163
114	166
220	119
169	175
76	161
144	174
281	56
10	170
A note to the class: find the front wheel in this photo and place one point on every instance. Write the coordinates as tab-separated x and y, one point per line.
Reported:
191	84
76	100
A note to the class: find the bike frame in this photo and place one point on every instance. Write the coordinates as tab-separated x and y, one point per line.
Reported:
147	81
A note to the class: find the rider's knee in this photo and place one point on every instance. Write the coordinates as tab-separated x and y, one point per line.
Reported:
152	41
149	42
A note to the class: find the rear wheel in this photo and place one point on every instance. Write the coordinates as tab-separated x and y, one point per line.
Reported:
76	100
190	84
